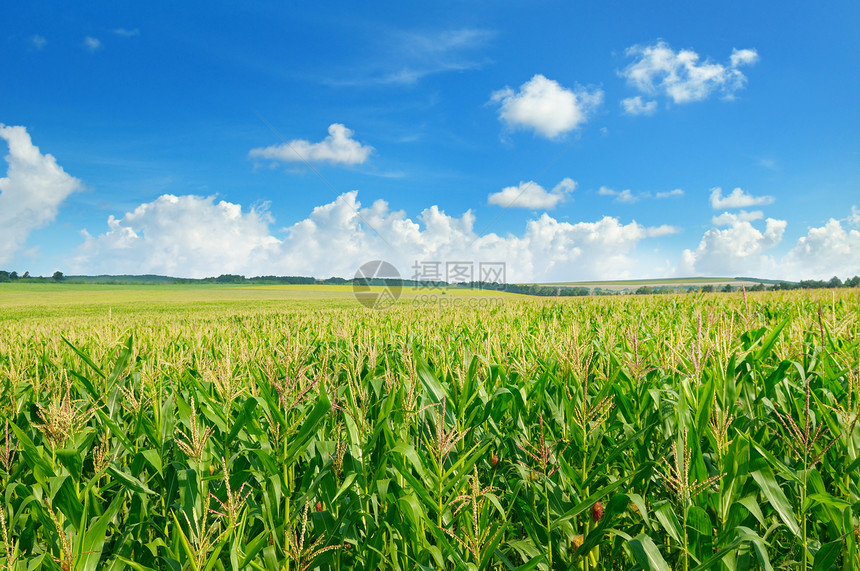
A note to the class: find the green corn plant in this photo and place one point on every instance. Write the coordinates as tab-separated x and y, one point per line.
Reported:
803	443
299	550
11	547
478	536
394	430
542	464
685	490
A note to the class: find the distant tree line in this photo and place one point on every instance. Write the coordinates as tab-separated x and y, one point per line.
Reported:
833	282
6	277
523	289
270	280
761	285
529	289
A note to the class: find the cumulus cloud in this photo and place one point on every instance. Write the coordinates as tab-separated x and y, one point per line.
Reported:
532	195
826	251
729	219
181	235
546	107
739	248
662	230
31	192
675	193
638	106
195	236
737	199
338	147
736	250
126	33
92	44
557	250
680	76
200	236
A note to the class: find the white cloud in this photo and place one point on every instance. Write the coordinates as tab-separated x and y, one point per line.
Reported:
126	33
733	251
38	42
743	57
737	199
195	236
532	195
741	249
409	56
31	192
545	106
181	235
92	44
338	147
444	42
662	230
627	196
429	53
638	106
729	219
558	250
680	76
827	251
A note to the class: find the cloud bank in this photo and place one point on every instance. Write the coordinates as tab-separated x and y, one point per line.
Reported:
193	236
736	247
196	237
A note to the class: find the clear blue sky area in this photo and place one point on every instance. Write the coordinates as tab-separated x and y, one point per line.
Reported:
567	140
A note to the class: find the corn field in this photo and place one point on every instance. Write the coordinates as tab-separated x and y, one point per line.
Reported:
669	432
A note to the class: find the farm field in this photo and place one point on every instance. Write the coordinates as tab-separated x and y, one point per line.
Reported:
288	427
38	300
619	285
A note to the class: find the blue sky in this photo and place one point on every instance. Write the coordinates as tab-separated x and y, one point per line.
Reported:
571	141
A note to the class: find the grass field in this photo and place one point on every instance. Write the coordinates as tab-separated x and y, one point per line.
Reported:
273	428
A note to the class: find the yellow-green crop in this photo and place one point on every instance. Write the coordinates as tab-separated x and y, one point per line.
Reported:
218	430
